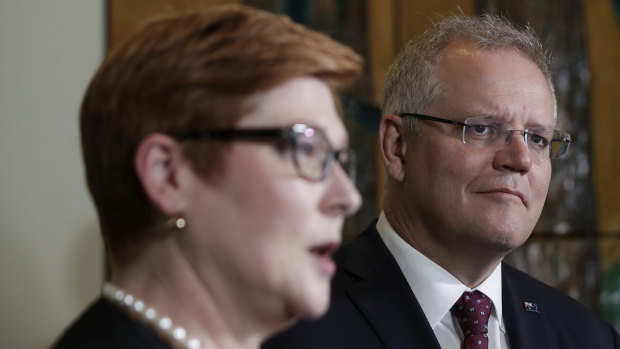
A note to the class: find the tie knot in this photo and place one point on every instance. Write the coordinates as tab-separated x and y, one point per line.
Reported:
472	312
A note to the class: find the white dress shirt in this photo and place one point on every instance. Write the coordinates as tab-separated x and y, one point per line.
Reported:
437	291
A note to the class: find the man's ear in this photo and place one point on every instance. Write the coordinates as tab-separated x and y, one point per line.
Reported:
157	160
393	146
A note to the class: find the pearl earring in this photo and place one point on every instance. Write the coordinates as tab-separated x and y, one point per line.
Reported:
175	223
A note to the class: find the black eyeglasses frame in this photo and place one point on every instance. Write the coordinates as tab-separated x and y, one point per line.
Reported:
287	134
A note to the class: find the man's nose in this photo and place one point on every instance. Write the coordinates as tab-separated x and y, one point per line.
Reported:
511	132
515	155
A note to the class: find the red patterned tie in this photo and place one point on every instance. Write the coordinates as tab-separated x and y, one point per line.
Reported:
472	312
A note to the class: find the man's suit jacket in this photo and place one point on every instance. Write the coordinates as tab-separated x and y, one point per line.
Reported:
372	306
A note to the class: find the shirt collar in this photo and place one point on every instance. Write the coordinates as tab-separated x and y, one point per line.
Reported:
435	289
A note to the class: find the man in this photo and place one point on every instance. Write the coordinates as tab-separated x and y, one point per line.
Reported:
466	140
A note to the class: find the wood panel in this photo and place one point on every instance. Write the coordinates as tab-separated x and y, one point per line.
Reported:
391	23
124	17
604	55
415	16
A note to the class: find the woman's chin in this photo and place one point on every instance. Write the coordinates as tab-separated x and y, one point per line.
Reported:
316	303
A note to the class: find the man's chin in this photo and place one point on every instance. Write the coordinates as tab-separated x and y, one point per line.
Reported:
505	244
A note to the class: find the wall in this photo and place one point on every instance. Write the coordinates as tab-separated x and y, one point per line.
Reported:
50	251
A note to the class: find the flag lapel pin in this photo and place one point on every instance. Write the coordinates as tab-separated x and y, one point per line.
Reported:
531	307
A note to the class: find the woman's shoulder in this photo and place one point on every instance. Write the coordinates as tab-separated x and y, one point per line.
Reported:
103	325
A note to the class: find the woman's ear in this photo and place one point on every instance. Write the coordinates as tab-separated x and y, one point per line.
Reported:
157	160
393	146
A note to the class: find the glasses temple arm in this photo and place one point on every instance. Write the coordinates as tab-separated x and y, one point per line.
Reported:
432	118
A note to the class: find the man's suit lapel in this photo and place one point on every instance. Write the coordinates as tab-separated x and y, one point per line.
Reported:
383	295
524	319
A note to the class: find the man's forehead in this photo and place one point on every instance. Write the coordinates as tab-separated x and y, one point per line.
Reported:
465	48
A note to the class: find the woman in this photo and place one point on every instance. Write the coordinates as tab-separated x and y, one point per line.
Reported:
220	171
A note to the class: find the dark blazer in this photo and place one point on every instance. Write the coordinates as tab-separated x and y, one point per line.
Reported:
103	325
372	306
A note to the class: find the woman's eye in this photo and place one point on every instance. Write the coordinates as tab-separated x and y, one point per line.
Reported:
305	149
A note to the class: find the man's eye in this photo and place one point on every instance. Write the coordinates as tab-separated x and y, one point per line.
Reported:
481	129
538	140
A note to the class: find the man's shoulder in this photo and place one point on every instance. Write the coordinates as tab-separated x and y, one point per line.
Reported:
528	287
365	249
533	295
371	304
532	308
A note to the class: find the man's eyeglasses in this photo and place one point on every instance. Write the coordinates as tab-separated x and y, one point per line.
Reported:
542	141
312	153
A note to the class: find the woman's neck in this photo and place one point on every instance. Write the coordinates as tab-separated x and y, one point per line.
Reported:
162	278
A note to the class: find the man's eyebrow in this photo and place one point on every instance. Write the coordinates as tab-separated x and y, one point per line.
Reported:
485	116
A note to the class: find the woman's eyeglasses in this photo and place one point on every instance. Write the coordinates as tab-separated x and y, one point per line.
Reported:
313	155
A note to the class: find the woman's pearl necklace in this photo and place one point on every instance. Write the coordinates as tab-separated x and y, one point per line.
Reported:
162	324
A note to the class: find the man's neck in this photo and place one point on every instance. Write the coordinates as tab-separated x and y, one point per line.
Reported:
469	263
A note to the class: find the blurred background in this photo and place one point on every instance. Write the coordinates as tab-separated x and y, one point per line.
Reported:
51	255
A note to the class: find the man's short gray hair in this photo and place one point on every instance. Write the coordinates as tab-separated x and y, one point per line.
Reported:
410	85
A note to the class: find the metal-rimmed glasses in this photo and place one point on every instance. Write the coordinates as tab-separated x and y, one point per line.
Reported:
312	153
542	141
